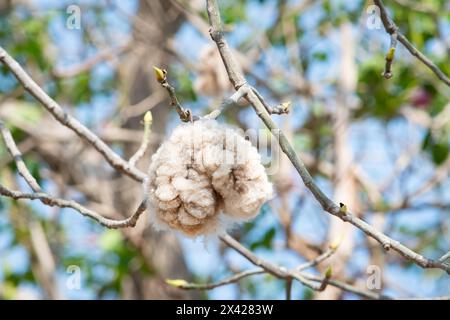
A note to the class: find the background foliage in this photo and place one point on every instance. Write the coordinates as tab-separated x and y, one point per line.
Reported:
398	135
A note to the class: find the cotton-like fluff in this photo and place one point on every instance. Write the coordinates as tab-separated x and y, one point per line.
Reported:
205	177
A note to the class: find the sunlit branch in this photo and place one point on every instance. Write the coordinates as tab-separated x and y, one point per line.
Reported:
392	29
184	114
17	156
62	203
67	120
238	81
145	140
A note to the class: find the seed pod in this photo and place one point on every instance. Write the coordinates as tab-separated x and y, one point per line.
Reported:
205	177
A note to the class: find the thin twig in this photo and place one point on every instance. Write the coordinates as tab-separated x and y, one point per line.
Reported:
62	203
319	259
277	271
17	156
145	140
288	289
239	83
266	265
282	108
390	56
316	283
391	28
326	279
232	101
310	284
233	279
445	257
346	287
67	120
161	77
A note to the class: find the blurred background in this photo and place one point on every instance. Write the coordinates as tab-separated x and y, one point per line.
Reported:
379	146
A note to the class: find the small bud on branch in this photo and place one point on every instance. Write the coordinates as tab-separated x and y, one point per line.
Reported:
329	272
336	242
160	74
177	283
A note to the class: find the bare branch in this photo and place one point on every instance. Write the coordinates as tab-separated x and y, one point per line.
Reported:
316	283
282	108
326	279
237	79
145	140
67	120
161	77
266	265
62	203
209	286
391	28
390	56
17	156
346	287
445	257
50	201
277	271
288	289
233	100
318	260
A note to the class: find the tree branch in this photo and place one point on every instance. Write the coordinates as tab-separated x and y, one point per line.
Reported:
161	77
282	108
390	56
445	257
392	29
237	79
315	283
318	260
145	140
62	203
346	287
67	120
271	268
209	286
288	289
17	156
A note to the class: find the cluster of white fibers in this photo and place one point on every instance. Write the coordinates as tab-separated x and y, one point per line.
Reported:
204	177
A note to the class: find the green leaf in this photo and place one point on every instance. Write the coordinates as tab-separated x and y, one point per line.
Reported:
266	241
440	152
427	141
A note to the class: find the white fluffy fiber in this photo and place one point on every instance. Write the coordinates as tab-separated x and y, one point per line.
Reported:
204	177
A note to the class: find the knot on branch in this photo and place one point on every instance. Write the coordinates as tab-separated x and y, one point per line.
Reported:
392	29
216	35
